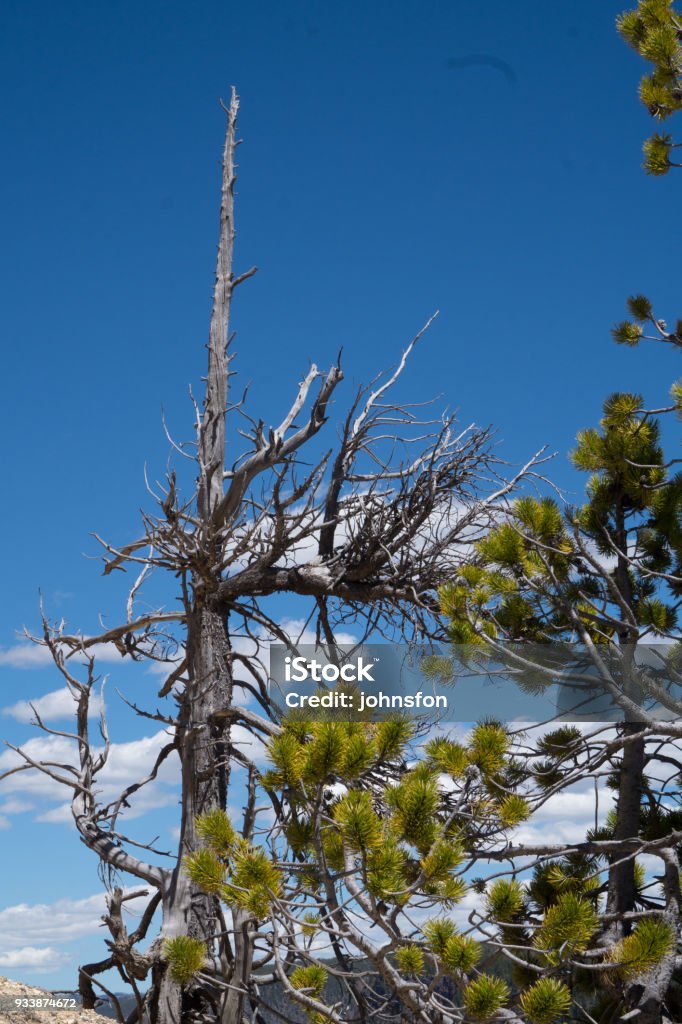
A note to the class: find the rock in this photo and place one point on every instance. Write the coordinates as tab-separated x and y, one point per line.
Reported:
10	1013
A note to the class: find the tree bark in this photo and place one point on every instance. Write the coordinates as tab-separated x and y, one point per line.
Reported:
622	889
203	739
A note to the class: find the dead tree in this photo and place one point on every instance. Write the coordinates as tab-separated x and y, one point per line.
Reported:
365	530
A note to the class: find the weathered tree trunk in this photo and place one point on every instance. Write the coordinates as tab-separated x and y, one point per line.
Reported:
203	738
203	743
653	995
233	1010
622	888
622	882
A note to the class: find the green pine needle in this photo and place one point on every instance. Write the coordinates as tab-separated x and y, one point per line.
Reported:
513	810
438	932
460	953
657	97
185	956
484	996
559	741
640	308
357	819
287	754
205	869
310	979
627	333
325	754
254	882
489	745
631	28
386	866
545	1001
660	45
657	157
359	754
505	899
391	737
216	829
409	960
568	925
448	756
644	949
310	923
414	803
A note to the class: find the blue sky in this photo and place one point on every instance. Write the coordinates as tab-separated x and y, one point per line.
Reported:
479	159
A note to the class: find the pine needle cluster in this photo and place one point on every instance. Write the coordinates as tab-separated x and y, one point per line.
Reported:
653	30
229	867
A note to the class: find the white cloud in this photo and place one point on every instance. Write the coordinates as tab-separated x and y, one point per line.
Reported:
128	763
25	656
29	655
38	924
148	799
39	748
59	815
51	706
576	806
471	901
58	922
299	632
41	959
131	761
566	816
13	806
163	668
248	744
4	823
559	832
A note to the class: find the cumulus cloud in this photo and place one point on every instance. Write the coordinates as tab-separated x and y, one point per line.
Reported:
38	924
59	815
28	655
54	923
471	901
25	656
41	959
50	707
148	799
14	806
248	744
40	748
128	762
163	668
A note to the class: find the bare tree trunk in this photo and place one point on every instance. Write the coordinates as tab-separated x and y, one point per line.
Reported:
622	889
622	882
653	996
203	738
233	1010
203	742
205	768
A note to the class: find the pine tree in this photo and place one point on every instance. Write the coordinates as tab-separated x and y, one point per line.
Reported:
654	30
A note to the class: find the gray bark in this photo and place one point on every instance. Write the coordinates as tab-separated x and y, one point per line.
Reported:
202	738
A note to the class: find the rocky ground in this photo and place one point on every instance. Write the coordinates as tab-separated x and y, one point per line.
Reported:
11	1014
